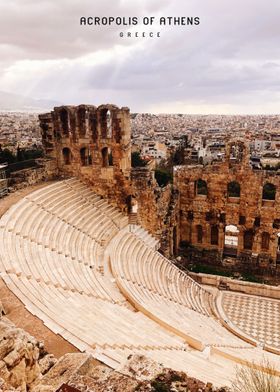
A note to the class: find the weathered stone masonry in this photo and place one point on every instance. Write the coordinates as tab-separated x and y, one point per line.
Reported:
221	211
228	210
94	143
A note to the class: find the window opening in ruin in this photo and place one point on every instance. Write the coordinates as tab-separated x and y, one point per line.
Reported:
265	240
231	240
66	156
199	233
109	124
132	204
117	129
248	239
257	221
201	187
233	189
278	242
242	219
64	122
110	158
105	160
269	191
214	235
84	155
106	123
82	121
93	125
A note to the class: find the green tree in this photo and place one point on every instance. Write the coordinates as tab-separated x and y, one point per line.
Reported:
136	160
163	176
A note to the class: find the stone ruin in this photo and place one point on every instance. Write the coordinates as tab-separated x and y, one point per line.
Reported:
230	213
94	143
223	212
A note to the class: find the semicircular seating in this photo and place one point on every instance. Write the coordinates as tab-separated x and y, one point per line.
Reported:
76	263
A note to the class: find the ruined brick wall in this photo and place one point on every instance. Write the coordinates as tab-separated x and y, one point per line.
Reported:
156	208
93	143
45	171
217	222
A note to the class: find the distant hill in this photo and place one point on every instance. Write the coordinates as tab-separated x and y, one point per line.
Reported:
15	102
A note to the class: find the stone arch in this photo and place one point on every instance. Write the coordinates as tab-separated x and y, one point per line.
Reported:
214	237
67	156
248	239
106	123
269	191
85	156
199	234
107	157
201	187
233	189
265	240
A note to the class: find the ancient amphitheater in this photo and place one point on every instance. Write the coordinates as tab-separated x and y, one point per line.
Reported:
99	282
79	254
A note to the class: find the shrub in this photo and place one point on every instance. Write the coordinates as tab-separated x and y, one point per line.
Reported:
250	379
163	177
136	160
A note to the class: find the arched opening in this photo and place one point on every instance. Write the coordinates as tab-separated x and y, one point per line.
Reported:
132	204
66	153
269	191
109	123
248	239
201	187
93	126
233	189
82	121
231	240
110	158
214	235
64	118
265	241
199	234
105	160
106	123
85	156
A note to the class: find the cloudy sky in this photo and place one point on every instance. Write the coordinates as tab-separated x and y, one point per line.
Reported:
230	63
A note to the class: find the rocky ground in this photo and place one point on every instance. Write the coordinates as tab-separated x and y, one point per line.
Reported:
25	365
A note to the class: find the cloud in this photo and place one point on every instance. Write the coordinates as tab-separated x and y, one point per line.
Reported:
229	62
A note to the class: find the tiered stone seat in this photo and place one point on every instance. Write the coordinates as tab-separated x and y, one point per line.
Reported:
218	370
144	235
60	246
156	287
52	260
